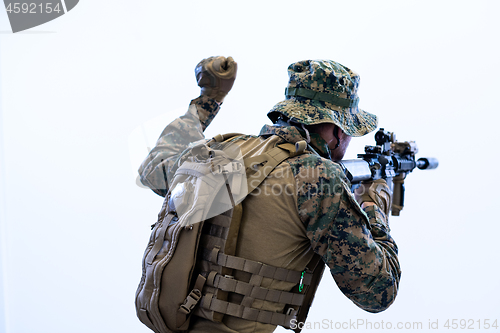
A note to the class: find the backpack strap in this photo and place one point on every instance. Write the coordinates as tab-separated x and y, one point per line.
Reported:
192	299
268	161
228	283
259	269
224	137
240	311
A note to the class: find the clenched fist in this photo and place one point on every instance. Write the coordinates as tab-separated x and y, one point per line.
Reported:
215	76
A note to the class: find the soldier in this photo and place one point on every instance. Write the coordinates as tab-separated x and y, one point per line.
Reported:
303	209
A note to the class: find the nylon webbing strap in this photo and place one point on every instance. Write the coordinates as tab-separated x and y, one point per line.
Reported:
255	280
271	160
296	149
224	137
321	96
160	235
267	317
257	292
232	236
258	268
215	230
192	299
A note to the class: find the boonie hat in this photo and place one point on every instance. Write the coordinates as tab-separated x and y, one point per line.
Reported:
324	91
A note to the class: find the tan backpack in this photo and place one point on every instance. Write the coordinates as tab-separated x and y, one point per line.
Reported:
190	257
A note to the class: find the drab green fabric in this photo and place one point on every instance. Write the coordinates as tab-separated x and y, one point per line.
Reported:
320	96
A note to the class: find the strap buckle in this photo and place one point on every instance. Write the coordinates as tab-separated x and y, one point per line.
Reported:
232	167
190	302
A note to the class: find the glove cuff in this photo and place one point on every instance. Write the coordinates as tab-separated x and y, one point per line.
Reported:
207	110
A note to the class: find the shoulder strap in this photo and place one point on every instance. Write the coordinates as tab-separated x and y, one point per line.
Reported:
268	161
224	137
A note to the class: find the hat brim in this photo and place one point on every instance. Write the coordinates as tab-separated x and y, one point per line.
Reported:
353	121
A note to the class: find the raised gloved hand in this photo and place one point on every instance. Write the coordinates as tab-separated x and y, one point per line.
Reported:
215	76
376	191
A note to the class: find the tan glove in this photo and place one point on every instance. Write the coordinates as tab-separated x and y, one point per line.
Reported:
215	76
376	191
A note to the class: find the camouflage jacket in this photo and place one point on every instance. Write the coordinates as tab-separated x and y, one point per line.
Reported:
354	243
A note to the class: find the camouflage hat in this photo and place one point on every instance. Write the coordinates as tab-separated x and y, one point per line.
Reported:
324	91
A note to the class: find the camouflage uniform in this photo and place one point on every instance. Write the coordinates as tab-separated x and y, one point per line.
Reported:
355	244
315	211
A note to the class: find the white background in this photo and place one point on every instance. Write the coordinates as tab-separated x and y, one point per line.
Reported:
74	223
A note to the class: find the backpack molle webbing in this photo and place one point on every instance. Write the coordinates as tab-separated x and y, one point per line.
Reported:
252	290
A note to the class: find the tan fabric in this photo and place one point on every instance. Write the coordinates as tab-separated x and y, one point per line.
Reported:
270	232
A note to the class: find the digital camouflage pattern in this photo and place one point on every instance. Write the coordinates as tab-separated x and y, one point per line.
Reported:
333	80
354	243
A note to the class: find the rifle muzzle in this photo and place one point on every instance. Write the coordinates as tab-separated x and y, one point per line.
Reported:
427	163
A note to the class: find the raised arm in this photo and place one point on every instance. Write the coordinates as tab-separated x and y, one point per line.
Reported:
215	76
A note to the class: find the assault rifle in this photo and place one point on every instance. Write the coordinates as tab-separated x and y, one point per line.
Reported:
390	160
